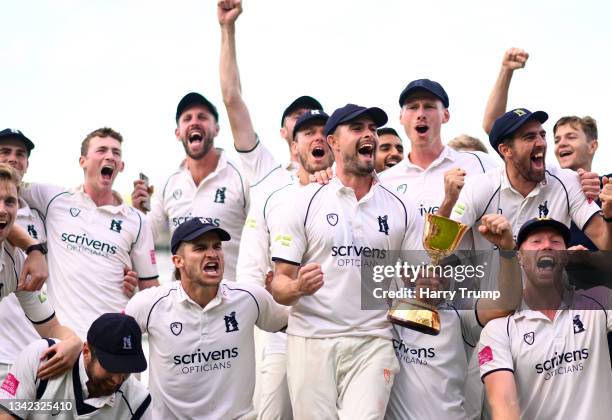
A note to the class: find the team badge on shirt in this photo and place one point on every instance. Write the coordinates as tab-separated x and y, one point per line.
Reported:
177	193
116	225
485	355
32	232
10	384
382	224
220	195
543	210
231	324
402	188
332	219
529	338
387	375
578	325
74	212
176	328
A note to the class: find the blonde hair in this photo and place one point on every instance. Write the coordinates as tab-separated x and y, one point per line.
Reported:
8	174
464	143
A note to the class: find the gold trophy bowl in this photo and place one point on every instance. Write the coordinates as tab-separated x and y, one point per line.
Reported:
440	239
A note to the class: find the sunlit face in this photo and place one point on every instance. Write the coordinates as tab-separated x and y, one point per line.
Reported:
572	148
100	382
289	123
14	153
8	207
102	162
355	143
528	151
543	257
200	261
390	152
422	116
196	130
312	150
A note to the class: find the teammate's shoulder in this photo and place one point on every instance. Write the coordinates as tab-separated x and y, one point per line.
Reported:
563	174
478	161
243	290
152	294
398	170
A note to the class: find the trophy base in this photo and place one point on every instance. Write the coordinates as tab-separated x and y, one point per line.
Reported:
417	316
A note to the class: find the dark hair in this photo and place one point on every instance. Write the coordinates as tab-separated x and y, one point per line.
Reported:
100	132
587	124
387	130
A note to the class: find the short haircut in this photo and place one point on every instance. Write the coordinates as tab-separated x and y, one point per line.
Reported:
8	174
464	142
387	130
100	132
587	124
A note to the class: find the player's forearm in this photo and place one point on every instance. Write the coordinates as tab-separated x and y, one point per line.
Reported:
228	67
284	290
504	407
20	238
446	207
600	232
498	99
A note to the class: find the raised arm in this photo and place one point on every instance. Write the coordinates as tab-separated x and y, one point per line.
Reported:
237	111
514	58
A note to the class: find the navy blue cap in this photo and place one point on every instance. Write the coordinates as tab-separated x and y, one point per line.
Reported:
194	98
192	229
540	222
117	341
430	86
309	116
507	124
305	102
11	133
349	112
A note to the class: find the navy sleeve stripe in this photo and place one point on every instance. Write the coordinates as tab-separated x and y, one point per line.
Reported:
251	149
43	321
251	294
277	259
153	307
489	203
508	325
477	157
476	313
402	203
241	183
310	202
564	189
495	370
148	278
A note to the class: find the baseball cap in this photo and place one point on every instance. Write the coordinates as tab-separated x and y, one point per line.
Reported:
430	86
17	135
194	98
351	111
540	222
118	343
312	115
511	121
192	229
306	102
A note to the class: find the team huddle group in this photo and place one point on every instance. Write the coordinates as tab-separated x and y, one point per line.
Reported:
278	246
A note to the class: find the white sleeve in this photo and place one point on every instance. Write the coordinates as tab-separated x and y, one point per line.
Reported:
257	162
413	237
580	208
465	209
288	236
486	160
494	351
272	316
21	381
254	254
142	253
157	217
139	306
38	196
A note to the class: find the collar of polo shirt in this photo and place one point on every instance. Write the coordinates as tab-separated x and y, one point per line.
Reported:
505	183
524	311
447	154
182	296
337	185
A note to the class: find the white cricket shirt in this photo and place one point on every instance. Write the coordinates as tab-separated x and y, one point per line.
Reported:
131	401
202	360
326	224
222	199
89	246
259	165
17	331
433	369
561	367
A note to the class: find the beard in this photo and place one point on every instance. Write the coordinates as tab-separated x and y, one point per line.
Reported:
524	168
303	158
353	165
98	387
207	145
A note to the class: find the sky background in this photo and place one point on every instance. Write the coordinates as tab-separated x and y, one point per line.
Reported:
68	67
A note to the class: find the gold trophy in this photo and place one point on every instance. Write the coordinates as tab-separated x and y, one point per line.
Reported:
440	239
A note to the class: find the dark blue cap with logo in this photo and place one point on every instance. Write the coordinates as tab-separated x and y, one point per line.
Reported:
192	229
117	342
308	117
349	112
194	98
507	124
430	86
303	102
540	222
11	133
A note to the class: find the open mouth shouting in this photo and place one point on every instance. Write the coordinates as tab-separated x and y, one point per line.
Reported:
537	159
318	152
195	136
422	128
107	172
366	149
3	225
212	268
